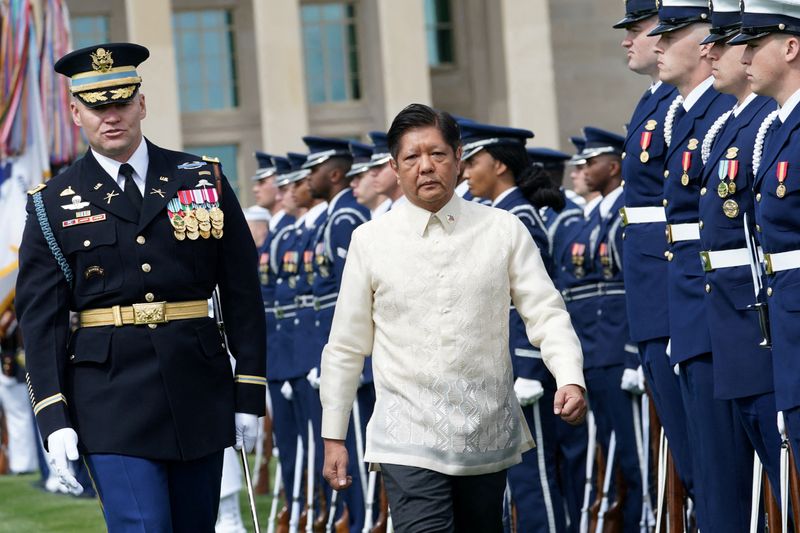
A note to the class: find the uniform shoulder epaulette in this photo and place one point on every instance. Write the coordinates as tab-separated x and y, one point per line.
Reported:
210	159
37	188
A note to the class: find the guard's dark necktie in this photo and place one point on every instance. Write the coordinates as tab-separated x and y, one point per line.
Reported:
130	188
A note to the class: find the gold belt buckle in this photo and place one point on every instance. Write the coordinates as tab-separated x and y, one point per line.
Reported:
624	216
150	313
768	263
706	259
668	233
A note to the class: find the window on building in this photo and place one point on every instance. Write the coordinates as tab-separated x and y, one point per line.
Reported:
204	52
330	50
227	154
439	32
88	31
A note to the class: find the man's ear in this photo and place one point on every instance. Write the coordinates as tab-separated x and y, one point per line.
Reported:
75	112
791	48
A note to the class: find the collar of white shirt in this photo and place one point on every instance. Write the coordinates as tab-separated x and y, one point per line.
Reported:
788	106
315	212
589	206
502	196
740	107
654	87
419	218
277	217
697	92
462	188
332	205
608	201
140	160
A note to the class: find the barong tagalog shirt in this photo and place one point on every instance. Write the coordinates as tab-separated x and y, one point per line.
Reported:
427	295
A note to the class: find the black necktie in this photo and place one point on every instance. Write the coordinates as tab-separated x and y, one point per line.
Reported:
774	127
679	114
131	190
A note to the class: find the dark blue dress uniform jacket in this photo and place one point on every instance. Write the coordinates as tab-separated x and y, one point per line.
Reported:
280	321
645	246
164	393
688	327
780	232
741	367
526	359
330	251
307	347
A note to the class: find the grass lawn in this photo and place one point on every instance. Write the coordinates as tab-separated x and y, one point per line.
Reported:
25	508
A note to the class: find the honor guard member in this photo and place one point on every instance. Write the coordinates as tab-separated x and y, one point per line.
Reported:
134	238
385	180
497	168
361	181
329	160
771	31
280	311
595	298
684	63
645	249
742	367
553	163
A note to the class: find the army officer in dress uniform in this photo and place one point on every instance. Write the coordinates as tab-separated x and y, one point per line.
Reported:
134	238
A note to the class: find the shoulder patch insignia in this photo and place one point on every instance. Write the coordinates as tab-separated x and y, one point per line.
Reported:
37	188
191	165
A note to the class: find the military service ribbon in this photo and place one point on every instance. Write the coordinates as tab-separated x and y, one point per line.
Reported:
577	259
687	164
733	170
644	142
782	170
605	260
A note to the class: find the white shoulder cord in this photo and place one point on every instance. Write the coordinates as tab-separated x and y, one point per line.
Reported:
712	133
758	148
670	118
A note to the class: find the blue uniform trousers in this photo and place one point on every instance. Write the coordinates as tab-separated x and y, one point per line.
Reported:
758	416
665	391
791	418
533	482
573	442
722	457
613	411
157	496
285	417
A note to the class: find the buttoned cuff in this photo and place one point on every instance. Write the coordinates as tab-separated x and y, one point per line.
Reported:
334	423
570	375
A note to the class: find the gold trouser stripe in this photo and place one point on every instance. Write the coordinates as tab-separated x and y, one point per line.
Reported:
47	402
124	315
250	380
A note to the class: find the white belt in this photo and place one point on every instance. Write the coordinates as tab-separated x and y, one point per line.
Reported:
642	215
713	260
782	261
683	232
532	354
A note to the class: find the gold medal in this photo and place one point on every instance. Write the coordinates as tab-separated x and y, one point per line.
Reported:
781	190
692	144
722	189
191	223
193	235
204	226
216	233
205	234
730	208
685	179
201	214
180	235
178	223
644	157
216	214
732	152
732	187
651	125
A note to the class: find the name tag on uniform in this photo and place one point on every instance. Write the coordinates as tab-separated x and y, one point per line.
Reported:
83	220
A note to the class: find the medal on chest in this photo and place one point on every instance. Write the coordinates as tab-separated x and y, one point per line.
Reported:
686	164
195	213
644	142
308	265
781	171
322	261
578	259
605	261
263	268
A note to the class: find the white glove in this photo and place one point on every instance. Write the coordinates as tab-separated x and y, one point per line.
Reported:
781	425
246	431
669	348
633	381
676	368
287	391
313	378
528	391
62	446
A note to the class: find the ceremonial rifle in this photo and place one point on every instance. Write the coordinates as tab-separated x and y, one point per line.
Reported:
758	285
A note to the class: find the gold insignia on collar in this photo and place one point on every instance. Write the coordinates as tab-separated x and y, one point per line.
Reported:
102	60
97	186
164	178
158	192
651	125
109	196
67	192
204	173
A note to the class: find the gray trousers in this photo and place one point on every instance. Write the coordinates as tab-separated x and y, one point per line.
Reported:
424	501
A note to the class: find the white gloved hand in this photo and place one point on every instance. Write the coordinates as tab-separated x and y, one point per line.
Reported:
781	425
313	378
246	431
287	391
676	368
633	381
669	347
62	446
528	391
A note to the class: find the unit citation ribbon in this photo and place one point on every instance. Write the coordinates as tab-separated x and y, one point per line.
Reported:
644	142
781	171
687	164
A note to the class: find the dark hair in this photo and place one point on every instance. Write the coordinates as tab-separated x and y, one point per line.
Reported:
533	181
420	116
